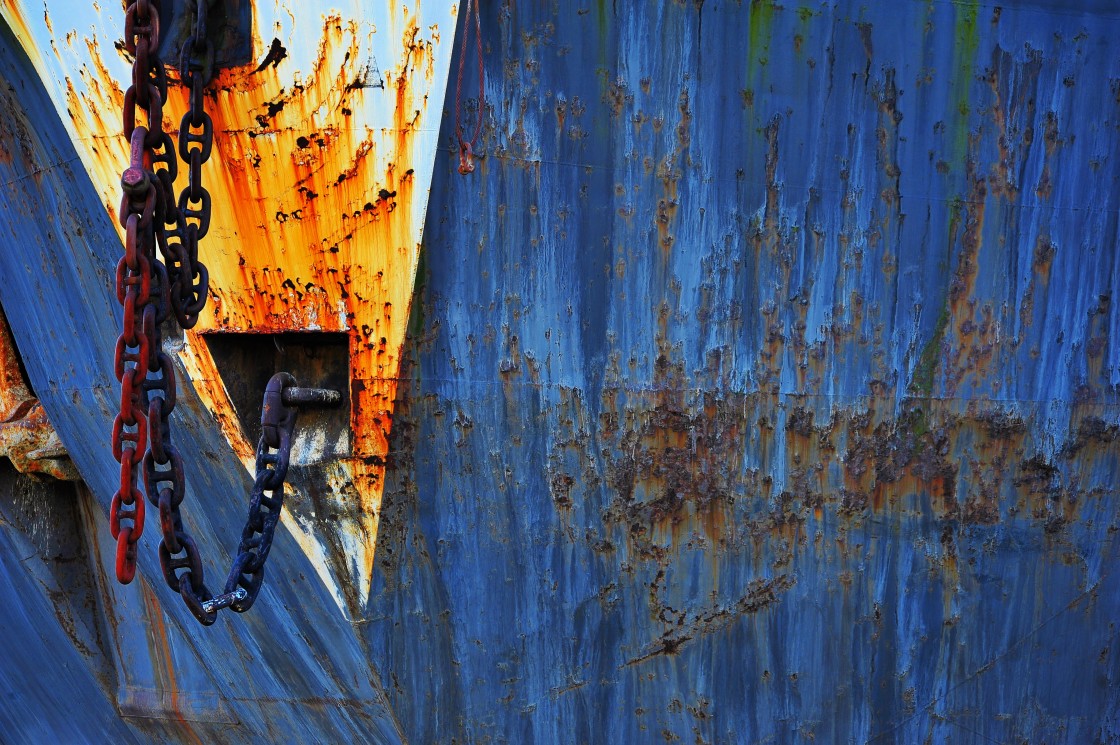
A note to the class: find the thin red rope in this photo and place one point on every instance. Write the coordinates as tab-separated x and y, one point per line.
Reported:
466	147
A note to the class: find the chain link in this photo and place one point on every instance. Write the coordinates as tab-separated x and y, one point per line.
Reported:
181	287
266	500
267	497
141	282
150	291
189	216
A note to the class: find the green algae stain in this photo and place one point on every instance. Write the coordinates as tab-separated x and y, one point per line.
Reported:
966	42
603	26
922	382
760	32
601	16
415	328
925	371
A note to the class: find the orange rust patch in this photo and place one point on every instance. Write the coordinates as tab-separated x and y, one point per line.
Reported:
315	210
14	393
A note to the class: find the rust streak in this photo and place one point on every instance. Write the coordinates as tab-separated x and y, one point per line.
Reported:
315	208
161	656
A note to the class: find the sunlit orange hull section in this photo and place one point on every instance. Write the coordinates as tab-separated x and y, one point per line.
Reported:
324	149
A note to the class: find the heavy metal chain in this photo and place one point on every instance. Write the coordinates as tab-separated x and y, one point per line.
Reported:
150	291
188	284
144	370
140	276
265	503
189	217
278	421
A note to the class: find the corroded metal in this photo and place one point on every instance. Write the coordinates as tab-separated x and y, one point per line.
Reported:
325	142
765	387
296	396
27	438
33	446
130	664
143	289
225	600
762	386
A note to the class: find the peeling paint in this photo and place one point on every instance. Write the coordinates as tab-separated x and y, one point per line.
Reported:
779	407
747	394
323	154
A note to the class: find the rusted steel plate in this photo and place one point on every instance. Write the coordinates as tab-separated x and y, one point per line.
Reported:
765	384
763	387
26	435
293	668
325	142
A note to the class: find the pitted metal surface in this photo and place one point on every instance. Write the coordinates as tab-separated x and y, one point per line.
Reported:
764	384
324	146
761	385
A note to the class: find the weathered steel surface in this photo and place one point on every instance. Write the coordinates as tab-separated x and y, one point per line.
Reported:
45	671
292	669
762	386
325	141
27	438
764	383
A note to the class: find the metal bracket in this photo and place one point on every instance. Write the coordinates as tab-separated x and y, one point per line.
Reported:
280	398
228	30
318	397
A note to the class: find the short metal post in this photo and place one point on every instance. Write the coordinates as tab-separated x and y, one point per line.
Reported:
295	396
225	600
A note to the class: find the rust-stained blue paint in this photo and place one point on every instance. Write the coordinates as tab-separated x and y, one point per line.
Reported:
762	387
767	392
293	670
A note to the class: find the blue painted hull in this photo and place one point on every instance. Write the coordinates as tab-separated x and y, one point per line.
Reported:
761	386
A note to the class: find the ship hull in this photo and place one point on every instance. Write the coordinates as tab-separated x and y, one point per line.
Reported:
759	385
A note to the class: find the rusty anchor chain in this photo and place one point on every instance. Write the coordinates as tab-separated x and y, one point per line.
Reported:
266	500
184	284
150	291
190	214
139	274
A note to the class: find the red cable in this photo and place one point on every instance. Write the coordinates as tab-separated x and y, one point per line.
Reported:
466	148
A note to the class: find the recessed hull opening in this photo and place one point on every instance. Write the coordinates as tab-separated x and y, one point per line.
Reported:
245	362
